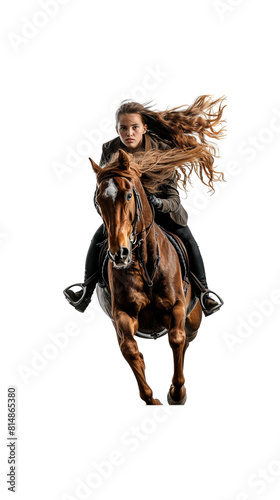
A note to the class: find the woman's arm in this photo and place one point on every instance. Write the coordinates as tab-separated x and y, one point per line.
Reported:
169	196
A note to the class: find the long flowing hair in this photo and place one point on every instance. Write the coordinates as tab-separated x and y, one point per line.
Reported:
186	129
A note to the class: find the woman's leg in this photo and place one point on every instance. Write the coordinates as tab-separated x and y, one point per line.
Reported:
81	299
92	257
209	305
196	261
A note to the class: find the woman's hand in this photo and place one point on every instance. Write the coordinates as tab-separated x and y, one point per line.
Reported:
156	202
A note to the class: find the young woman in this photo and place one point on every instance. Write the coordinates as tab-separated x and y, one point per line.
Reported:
141	129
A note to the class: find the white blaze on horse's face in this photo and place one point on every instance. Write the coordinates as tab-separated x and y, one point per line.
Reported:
111	190
117	205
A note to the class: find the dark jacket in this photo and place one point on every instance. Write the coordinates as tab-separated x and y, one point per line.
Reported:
172	211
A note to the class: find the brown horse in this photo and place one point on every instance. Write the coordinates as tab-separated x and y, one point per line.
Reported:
147	295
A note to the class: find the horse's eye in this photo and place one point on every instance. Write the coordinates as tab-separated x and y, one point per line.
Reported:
128	196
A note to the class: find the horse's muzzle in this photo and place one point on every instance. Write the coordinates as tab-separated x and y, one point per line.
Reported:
121	258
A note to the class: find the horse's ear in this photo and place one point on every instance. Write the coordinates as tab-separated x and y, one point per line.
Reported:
123	160
95	167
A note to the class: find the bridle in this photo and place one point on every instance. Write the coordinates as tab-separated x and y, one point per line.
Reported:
133	238
138	209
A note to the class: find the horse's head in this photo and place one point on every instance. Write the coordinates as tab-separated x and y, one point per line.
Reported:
119	205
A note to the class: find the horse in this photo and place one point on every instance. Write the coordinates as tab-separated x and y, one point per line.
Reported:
146	294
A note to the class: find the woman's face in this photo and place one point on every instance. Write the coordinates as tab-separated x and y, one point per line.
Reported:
131	129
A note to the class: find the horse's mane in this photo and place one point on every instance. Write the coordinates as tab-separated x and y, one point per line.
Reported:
155	167
114	168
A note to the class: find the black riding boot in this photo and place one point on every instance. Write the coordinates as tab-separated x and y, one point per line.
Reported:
208	304
80	299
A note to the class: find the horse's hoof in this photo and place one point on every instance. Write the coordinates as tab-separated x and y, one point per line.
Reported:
155	402
172	402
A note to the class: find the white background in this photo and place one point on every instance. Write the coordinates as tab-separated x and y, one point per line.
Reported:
78	408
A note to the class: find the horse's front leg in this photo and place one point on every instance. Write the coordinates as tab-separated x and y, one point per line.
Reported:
177	340
126	327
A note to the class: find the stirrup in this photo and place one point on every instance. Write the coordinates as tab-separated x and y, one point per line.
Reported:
216	308
70	300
